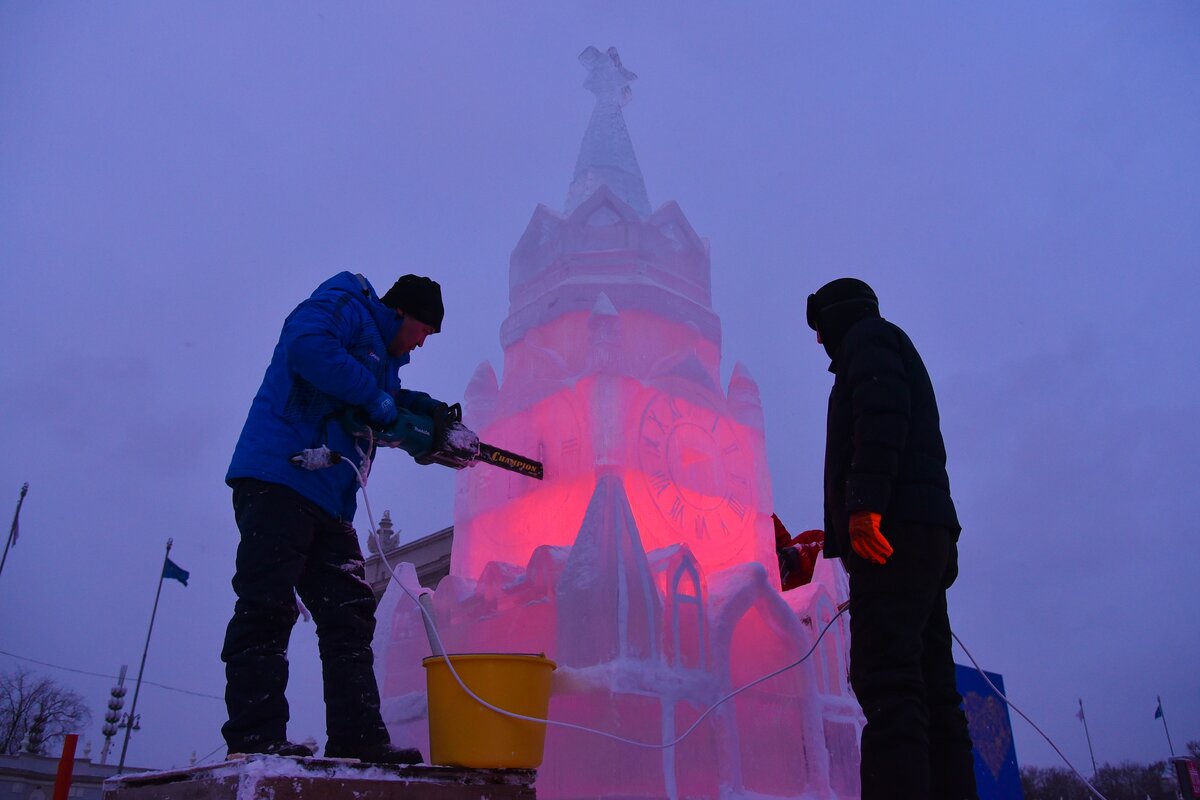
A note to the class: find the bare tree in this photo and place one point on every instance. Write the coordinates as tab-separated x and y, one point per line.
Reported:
1132	780
1052	783
1124	781
35	705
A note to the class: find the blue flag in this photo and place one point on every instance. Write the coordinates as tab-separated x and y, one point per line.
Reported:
174	571
1158	711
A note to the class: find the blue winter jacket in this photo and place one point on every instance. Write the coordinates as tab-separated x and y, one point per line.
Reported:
332	354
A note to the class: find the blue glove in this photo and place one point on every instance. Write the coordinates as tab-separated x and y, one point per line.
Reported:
381	411
420	403
411	432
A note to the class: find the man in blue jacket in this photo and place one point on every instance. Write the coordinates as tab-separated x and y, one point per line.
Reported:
337	358
890	518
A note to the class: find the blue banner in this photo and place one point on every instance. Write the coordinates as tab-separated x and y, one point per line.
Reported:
996	773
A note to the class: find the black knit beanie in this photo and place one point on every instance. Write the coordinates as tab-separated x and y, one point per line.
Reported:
418	297
836	306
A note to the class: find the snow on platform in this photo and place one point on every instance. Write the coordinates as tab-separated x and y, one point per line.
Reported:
283	778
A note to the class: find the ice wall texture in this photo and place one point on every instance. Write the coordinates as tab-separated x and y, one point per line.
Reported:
644	563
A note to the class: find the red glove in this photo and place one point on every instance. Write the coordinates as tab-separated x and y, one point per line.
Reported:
866	539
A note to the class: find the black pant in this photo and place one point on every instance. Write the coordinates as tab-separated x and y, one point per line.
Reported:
287	544
916	743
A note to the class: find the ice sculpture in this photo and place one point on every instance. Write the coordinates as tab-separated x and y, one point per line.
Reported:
644	563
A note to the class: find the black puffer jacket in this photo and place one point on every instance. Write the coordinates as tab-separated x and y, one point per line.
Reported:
883	446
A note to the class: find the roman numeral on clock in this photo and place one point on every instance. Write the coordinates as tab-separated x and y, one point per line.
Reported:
735	505
677	510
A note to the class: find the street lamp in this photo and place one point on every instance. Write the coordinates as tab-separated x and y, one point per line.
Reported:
113	720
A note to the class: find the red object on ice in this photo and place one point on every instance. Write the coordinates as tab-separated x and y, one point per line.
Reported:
797	554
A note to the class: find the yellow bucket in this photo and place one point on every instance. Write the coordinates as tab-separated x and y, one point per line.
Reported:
464	733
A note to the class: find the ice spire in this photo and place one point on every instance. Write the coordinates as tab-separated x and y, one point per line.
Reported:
606	587
606	155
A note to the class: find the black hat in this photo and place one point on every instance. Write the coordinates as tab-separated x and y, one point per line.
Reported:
418	297
840	292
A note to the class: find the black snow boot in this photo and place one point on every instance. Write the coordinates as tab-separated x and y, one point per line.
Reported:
376	753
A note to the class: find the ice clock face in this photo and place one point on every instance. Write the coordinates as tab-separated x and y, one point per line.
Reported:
697	472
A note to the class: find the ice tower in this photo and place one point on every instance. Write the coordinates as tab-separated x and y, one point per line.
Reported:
644	563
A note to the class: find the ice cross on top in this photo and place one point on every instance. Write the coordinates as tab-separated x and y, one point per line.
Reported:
606	155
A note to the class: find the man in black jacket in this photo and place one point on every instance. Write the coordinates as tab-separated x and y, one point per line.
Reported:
889	517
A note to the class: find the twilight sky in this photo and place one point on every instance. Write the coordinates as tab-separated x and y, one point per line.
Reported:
1018	182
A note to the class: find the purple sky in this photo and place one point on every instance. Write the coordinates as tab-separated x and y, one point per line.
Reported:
1018	182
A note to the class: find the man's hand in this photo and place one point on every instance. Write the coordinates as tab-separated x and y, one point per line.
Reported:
866	539
381	411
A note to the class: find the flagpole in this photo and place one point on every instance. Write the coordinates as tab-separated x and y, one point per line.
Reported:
12	532
129	723
1083	719
1163	714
